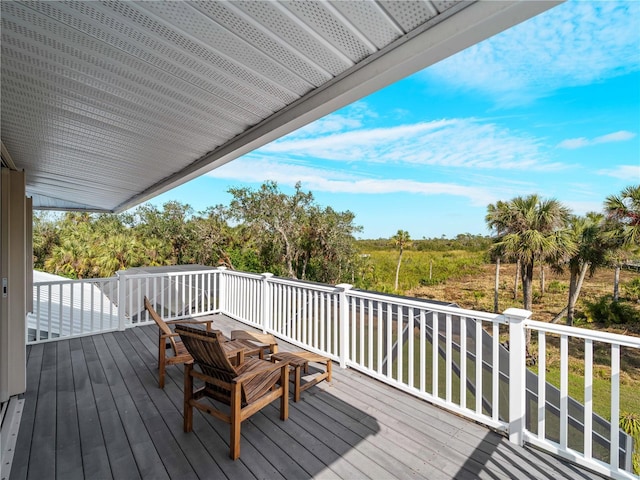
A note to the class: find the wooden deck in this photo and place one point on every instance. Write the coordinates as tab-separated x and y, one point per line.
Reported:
93	410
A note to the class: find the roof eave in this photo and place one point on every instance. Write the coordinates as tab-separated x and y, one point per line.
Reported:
471	24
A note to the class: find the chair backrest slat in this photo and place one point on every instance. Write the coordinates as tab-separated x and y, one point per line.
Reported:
164	328
206	351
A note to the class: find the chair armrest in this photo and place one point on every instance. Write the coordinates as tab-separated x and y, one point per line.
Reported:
261	338
192	321
167	335
261	369
189	320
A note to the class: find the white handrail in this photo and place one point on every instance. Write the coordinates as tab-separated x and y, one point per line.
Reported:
594	335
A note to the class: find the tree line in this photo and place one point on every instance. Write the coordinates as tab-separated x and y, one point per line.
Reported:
261	230
535	231
266	230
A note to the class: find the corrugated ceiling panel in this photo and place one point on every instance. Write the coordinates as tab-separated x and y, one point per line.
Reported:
164	55
242	25
288	27
186	41
371	20
410	13
106	103
193	22
321	18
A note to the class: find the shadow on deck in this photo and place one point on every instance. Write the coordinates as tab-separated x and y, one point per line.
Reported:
93	410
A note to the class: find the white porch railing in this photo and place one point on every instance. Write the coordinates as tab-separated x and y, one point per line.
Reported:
175	295
71	308
449	356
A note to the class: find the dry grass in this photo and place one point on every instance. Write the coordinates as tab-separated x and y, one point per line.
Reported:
476	291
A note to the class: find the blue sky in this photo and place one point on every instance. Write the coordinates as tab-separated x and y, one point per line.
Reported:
551	106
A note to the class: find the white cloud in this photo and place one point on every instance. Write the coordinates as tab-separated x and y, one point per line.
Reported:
582	208
624	172
258	169
349	118
573	44
573	143
620	136
459	143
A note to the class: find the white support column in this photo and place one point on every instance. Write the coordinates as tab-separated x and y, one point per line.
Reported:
517	373
122	294
344	322
266	303
222	290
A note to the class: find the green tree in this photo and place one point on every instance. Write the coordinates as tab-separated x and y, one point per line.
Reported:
623	224
117	252
400	240
536	231
591	250
328	246
292	234
46	236
213	237
274	218
171	224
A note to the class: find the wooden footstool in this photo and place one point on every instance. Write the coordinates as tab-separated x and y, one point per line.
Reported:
299	360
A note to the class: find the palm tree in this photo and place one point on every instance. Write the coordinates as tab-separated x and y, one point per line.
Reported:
498	219
623	216
400	240
591	251
535	232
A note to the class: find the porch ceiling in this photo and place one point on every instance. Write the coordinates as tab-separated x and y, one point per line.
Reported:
107	104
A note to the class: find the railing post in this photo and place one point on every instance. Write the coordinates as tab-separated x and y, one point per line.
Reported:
343	308
266	302
122	289
222	290
517	373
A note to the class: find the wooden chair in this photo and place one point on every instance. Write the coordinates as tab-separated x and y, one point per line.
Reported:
234	349
265	341
180	354
245	388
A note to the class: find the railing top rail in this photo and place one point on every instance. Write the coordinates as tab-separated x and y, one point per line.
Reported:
408	302
614	338
236	273
302	284
294	282
81	280
169	274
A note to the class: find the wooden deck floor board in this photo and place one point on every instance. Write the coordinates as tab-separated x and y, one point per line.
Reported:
414	437
43	447
171	419
68	451
95	459
121	459
353	428
144	451
168	449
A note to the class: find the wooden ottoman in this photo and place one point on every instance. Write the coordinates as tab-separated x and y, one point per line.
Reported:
298	361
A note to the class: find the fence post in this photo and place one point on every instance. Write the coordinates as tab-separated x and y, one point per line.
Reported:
122	288
266	302
343	308
222	289
516	317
